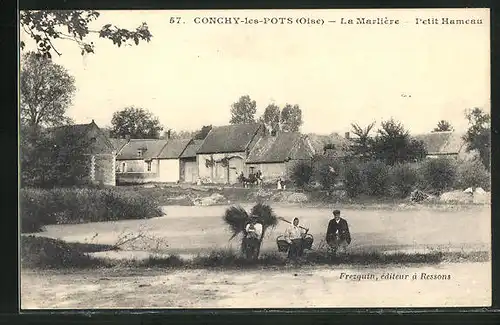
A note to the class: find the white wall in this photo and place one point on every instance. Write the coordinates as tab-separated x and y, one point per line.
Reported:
168	170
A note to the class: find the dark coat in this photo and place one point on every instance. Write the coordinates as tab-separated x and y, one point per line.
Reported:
342	227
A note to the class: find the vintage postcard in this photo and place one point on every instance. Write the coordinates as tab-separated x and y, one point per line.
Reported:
255	159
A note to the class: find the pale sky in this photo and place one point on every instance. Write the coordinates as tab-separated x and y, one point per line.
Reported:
190	74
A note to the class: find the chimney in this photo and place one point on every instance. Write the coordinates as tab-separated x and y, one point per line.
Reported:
347	135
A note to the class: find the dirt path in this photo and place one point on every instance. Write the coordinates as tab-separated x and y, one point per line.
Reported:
470	285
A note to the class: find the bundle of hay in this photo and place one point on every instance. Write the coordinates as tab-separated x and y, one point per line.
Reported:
237	219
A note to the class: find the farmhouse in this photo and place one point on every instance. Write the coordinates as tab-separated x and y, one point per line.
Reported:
444	144
188	162
222	155
150	160
332	145
275	155
98	148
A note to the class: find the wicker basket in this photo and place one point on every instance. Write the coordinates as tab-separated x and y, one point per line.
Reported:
308	241
282	244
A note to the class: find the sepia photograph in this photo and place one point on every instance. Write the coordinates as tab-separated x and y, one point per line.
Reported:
254	159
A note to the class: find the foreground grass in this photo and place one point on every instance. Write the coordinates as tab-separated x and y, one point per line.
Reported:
48	253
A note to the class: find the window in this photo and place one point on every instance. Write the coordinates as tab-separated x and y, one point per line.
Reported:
252	170
148	165
124	167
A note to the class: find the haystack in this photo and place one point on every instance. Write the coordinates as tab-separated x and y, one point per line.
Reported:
456	197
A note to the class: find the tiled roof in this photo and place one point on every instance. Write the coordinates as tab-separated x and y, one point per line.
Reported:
192	149
173	149
151	148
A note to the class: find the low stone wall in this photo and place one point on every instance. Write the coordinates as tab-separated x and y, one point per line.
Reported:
136	178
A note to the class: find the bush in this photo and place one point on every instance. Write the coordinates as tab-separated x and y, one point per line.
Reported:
403	179
438	174
327	174
301	174
40	207
353	179
472	173
375	178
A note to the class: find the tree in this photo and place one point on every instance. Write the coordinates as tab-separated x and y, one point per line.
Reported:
137	123
47	90
271	118
362	144
443	126
291	118
243	111
50	158
478	135
393	144
203	132
45	26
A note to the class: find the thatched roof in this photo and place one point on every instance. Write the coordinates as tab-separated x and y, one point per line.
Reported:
318	142
280	148
192	149
442	143
229	138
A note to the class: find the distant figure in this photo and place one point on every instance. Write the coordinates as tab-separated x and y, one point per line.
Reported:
259	177
337	234
294	236
278	184
253	232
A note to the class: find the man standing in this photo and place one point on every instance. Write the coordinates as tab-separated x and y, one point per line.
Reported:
337	234
294	236
253	232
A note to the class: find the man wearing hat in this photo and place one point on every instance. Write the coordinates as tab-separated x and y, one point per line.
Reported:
337	234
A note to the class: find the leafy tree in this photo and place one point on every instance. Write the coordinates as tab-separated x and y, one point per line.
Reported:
443	126
203	132
137	123
53	158
362	144
291	118
301	174
393	144
47	90
478	135
45	26
271	118
243	111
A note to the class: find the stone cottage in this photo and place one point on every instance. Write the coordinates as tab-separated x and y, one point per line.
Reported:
221	157
276	155
100	151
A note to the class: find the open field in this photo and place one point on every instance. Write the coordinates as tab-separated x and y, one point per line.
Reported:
194	230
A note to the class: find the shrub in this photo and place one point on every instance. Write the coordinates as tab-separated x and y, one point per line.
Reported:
403	179
301	174
77	205
472	173
375	178
353	179
327	174
438	174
